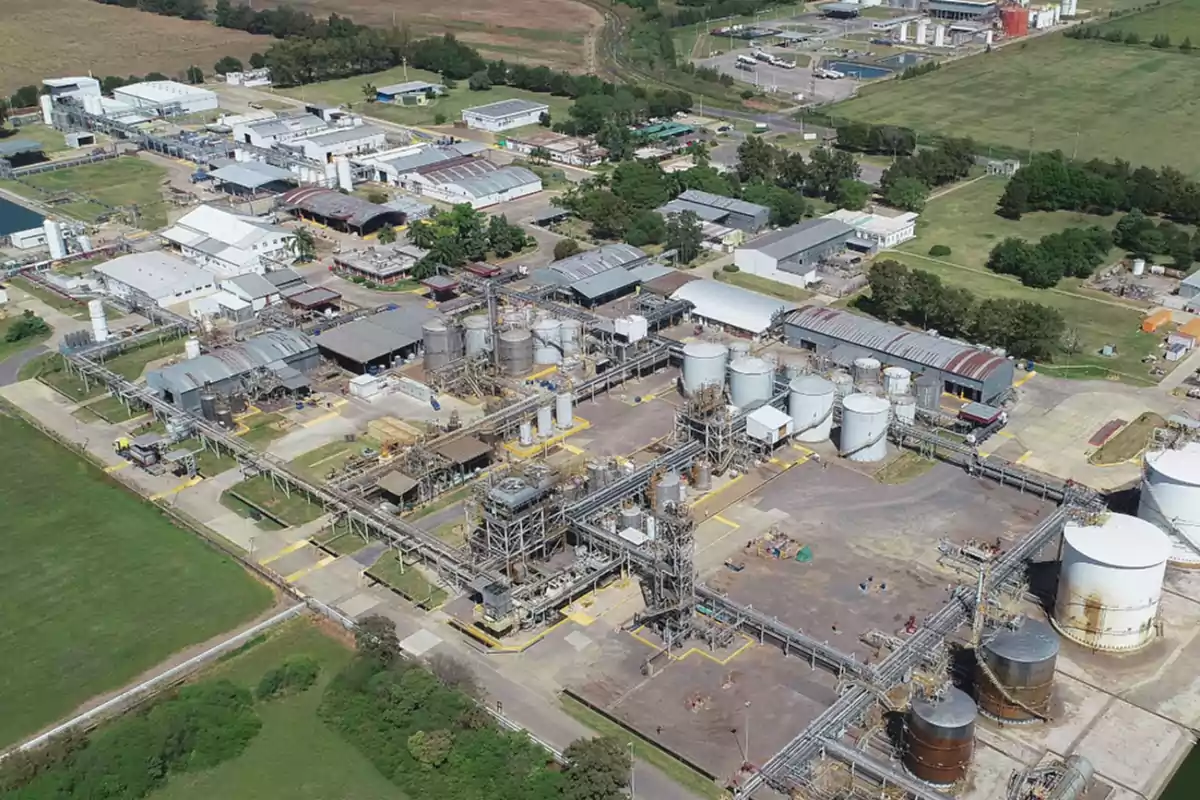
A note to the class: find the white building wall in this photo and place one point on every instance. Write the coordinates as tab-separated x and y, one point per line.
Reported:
192	101
755	262
503	124
122	290
367	144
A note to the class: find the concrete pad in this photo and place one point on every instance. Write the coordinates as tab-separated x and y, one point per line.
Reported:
990	771
358	605
578	640
1127	740
420	643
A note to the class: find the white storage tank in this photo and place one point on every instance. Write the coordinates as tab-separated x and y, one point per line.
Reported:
1139	266
843	384
1110	582
904	409
810	404
668	489
442	341
570	335
54	239
100	322
191	348
866	371
896	381
1170	498
547	341
864	427
703	365
475	335
526	434
545	422
739	349
564	410
515	350
750	382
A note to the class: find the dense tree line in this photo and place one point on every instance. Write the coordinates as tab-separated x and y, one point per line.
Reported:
187	9
1052	182
888	140
907	182
461	235
1024	329
827	173
1075	252
1097	33
1142	237
918	70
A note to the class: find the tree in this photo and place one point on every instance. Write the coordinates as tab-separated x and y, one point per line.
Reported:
827	169
1186	44
27	326
1162	41
257	61
539	155
1037	331
303	245
907	194
645	227
565	248
479	81
454	674
851	194
375	639
1132	38
3	112
888	280
544	119
939	251
924	295
386	235
432	748
377	196
683	235
422	233
1015	200
993	322
25	97
195	74
757	160
599	769
787	207
370	92
227	64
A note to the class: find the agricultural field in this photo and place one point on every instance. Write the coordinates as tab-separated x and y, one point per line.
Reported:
97	590
1052	93
122	181
1179	19
350	90
295	755
43	38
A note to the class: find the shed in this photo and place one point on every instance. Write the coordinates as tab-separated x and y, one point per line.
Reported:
464	451
768	424
732	306
397	484
1156	320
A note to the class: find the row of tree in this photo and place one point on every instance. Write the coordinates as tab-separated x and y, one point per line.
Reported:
889	140
1074	252
459	236
1024	329
187	9
1052	182
827	173
1097	33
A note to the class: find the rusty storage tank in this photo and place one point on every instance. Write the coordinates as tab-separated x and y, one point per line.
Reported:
940	737
1022	660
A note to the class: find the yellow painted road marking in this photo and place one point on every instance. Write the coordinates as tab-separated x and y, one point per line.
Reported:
1021	381
570	448
177	489
696	651
324	562
291	548
581	618
1024	456
1004	434
117	467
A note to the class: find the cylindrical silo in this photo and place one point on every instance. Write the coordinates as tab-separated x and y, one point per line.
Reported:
1110	582
526	434
545	420
1170	498
904	409
864	428
739	349
1022	661
772	360
515	352
630	517
810	405
564	410
668	489
896	381
597	475
703	365
750	382
866	371
702	476
547	341
442	341
929	392
843	383
100	321
475	335
208	405
940	737
569	335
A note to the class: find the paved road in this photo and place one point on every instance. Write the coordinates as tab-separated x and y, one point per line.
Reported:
11	367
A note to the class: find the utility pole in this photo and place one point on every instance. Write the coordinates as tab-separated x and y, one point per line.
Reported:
632	771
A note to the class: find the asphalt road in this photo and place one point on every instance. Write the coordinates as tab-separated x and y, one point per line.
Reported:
11	367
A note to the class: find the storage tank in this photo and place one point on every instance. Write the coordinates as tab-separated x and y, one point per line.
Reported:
1110	582
668	489
939	737
545	420
896	381
442	341
597	475
630	517
208	406
525	434
547	341
564	410
1139	266
929	393
739	349
702	476
703	365
46	103
345	175
810	405
1022	659
1170	498
864	428
238	403
904	409
750	382
85	243
191	348
224	416
866	371
100	321
794	368
570	335
515	352
475	335
54	239
843	383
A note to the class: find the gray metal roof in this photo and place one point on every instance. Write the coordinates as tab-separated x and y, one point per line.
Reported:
1192	280
614	280
422	158
230	362
333	205
500	180
800	237
648	272
844	8
283	277
408	87
731	305
254	285
593	262
378	335
396	482
730	204
344	135
410	207
16	147
294	124
253	174
314	296
506	108
703	212
891	340
157	274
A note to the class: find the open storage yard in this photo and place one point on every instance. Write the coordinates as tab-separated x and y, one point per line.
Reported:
96	585
1053	93
40	38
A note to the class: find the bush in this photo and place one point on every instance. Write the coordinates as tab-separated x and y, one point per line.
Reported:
565	248
439	118
939	251
27	326
377	197
731	268
294	675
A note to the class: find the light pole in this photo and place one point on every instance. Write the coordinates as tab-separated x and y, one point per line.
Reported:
632	788
746	724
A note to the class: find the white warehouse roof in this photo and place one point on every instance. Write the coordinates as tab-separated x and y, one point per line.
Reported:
731	305
156	274
162	92
503	109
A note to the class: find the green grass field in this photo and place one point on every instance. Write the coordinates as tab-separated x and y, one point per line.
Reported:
350	90
263	429
120	182
762	285
408	581
96	586
258	492
1179	20
295	755
1127	102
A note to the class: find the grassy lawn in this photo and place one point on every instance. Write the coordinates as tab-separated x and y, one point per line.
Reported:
906	467
53	299
1179	20
208	462
965	220
1128	442
120	182
444	501
111	409
340	540
258	492
756	283
644	749
9	349
263	429
1098	323
295	755
1049	89
408	581
317	464
49	369
349	90
132	363
97	590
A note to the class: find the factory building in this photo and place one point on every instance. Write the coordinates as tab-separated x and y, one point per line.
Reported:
477	182
398	165
274	362
342	212
252	177
504	115
882	230
155	277
791	255
229	244
253	289
381	263
728	212
731	307
962	9
351	141
408	93
596	276
268	132
152	94
963	370
556	147
375	341
76	88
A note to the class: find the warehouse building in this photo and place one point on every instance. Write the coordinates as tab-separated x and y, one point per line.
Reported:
271	363
732	308
76	87
155	277
841	10
504	115
477	182
409	92
342	212
379	340
229	244
882	230
381	263
963	370
556	147
596	276
400	165
252	177
962	9
727	212
791	255
154	94
265	133
253	289
351	141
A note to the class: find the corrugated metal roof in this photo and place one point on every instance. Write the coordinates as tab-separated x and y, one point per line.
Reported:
318	295
730	204
891	340
396	483
703	212
157	274
17	147
378	335
731	305
798	238
648	272
344	135
281	125
252	174
593	262
493	182
408	87
333	205
255	286
614	280
230	362
283	277
506	108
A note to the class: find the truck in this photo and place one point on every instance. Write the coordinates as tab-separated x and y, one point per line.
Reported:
761	127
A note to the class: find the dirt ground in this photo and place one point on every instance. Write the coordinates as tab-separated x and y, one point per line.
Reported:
48	38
